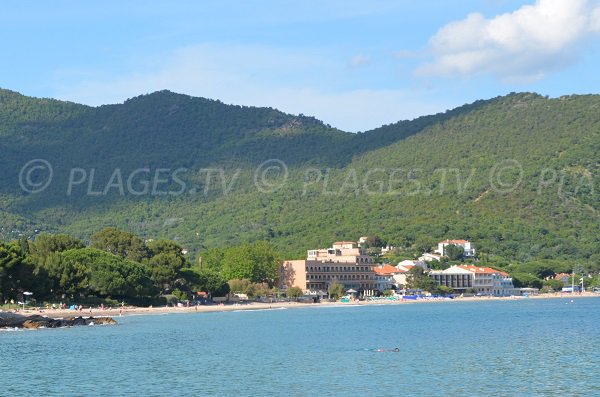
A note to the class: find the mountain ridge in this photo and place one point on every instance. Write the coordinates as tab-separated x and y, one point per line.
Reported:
539	219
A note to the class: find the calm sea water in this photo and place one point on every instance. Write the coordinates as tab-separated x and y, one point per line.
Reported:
515	348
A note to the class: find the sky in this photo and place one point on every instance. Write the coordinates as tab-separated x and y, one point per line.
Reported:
356	65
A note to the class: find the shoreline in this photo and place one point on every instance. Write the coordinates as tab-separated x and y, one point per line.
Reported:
253	306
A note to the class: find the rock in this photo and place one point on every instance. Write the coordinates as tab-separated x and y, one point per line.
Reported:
31	324
12	320
105	320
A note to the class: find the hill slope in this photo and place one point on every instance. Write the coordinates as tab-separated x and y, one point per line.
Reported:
516	174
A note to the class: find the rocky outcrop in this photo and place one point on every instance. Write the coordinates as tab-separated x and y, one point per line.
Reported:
13	320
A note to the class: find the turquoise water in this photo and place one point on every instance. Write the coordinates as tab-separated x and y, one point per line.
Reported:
495	348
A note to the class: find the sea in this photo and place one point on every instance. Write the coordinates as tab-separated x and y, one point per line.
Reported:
526	347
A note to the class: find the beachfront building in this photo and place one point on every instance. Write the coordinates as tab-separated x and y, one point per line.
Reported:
564	278
491	282
344	262
384	278
459	279
468	250
481	280
402	270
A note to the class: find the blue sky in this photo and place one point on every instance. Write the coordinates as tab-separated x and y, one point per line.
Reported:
353	64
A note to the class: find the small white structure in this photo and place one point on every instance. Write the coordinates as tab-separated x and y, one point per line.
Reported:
427	257
387	248
408	263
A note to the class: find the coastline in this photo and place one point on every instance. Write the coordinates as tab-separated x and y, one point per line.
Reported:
253	306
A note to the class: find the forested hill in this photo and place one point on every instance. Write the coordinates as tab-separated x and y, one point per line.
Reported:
165	128
518	174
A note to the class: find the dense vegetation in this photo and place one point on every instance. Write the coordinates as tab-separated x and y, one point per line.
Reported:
517	175
120	266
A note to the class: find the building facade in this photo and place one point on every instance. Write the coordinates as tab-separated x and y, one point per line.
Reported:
481	280
490	282
344	262
469	251
460	280
385	277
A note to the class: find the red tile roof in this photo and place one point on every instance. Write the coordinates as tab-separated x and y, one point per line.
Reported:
482	270
407	267
560	276
385	270
455	241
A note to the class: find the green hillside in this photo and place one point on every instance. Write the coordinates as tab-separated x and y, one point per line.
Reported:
518	175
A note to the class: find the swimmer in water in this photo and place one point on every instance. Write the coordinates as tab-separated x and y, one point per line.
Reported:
395	350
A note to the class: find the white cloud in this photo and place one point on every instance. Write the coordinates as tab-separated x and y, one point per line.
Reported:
292	81
359	60
520	46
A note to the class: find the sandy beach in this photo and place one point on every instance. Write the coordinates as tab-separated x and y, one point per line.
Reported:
131	310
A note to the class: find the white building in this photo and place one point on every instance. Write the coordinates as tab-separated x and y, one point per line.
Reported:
483	280
409	263
464	244
385	277
455	277
490	282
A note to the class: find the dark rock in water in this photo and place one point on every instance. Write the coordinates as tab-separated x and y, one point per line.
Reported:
13	320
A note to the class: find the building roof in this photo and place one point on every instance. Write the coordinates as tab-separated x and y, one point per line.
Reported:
431	254
560	276
344	242
452	270
482	270
403	268
385	270
455	241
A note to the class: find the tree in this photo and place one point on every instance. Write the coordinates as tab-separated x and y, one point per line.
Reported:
213	283
294	292
438	265
15	272
68	277
45	244
454	252
336	290
257	262
419	280
444	290
100	273
212	259
526	280
375	242
121	243
165	269
555	285
163	246
239	286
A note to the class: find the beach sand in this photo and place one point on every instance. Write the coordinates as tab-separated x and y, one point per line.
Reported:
130	310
